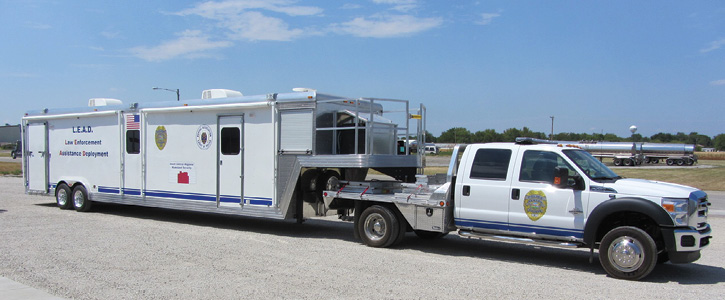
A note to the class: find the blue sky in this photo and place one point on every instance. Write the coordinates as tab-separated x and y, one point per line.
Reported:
597	66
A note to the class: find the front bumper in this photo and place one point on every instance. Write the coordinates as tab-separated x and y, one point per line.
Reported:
684	244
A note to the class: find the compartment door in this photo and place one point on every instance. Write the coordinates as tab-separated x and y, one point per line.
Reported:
36	157
230	162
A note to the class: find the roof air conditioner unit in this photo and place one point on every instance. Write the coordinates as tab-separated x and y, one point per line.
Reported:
220	93
103	102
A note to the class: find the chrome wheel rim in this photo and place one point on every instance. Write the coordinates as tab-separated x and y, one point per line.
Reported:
62	197
78	199
375	227
626	254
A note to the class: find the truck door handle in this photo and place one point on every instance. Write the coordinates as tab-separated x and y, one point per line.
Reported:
466	190
515	193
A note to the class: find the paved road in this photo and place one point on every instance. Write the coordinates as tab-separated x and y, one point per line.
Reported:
124	252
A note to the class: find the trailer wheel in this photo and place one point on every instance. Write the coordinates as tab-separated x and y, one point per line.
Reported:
378	226
628	162
670	161
655	161
80	199
62	196
680	162
617	162
429	235
647	160
308	182
328	181
628	253
690	162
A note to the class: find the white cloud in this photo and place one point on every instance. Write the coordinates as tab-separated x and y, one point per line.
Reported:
190	44
38	26
110	34
351	6
718	82
245	21
386	26
487	18
399	5
713	46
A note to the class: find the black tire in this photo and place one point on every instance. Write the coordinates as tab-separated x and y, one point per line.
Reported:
378	226
308	184
670	162
690	162
628	253
329	180
617	162
628	162
429	235
80	199
656	161
63	196
13	154
680	162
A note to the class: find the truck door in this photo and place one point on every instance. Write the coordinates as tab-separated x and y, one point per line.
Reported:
230	164
36	160
483	192
132	176
537	206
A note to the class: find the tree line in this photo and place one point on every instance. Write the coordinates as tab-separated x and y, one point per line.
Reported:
464	136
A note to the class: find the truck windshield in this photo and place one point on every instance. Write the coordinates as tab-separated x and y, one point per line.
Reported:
595	169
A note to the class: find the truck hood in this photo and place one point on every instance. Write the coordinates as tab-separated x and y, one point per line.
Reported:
642	187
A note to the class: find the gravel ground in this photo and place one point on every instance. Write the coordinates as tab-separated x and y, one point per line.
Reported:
125	252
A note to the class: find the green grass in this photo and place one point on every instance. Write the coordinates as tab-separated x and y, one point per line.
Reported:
10	168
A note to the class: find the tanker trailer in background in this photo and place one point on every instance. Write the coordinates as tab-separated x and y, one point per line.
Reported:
630	154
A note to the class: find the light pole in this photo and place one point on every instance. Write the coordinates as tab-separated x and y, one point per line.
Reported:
551	136
170	90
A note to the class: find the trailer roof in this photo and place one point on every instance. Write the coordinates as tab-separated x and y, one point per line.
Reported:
136	106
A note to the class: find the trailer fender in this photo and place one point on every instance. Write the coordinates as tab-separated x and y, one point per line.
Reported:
609	207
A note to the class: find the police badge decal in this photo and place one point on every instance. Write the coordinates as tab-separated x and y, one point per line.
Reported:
535	204
160	137
203	137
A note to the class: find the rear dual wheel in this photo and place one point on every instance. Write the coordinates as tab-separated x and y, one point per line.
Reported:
63	196
81	202
380	227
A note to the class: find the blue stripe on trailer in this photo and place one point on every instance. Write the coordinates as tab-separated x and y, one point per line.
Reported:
188	196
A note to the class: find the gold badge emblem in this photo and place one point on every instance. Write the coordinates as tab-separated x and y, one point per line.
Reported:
160	136
535	204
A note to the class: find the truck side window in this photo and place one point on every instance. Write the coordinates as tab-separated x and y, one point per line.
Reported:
231	143
538	166
133	141
491	164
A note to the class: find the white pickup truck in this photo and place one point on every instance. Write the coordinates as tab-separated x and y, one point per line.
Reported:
533	192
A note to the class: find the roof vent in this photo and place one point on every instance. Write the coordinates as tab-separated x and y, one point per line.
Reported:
220	93
103	102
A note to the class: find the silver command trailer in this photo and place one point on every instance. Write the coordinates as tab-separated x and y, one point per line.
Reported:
265	156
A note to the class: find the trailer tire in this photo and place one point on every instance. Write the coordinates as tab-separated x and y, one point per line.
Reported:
617	162
329	180
429	235
378	226
628	252
655	161
63	196
80	199
690	162
628	162
680	162
308	184
670	162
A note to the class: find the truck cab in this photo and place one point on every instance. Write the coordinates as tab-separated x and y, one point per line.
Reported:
561	194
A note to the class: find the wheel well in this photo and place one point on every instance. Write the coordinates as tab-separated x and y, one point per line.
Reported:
634	219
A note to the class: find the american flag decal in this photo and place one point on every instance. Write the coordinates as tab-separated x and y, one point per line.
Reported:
132	122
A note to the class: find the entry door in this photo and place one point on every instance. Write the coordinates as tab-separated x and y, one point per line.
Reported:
230	162
132	176
541	208
483	192
37	157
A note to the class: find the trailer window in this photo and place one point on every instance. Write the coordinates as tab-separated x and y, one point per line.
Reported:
231	141
133	141
491	164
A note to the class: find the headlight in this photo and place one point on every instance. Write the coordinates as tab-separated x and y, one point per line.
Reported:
678	210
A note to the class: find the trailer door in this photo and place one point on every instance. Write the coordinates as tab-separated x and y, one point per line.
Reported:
37	157
132	175
230	163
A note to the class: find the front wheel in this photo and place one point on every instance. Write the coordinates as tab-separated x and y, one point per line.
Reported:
378	226
13	155
80	199
628	253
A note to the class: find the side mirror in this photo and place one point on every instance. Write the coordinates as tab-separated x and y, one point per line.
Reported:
561	177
